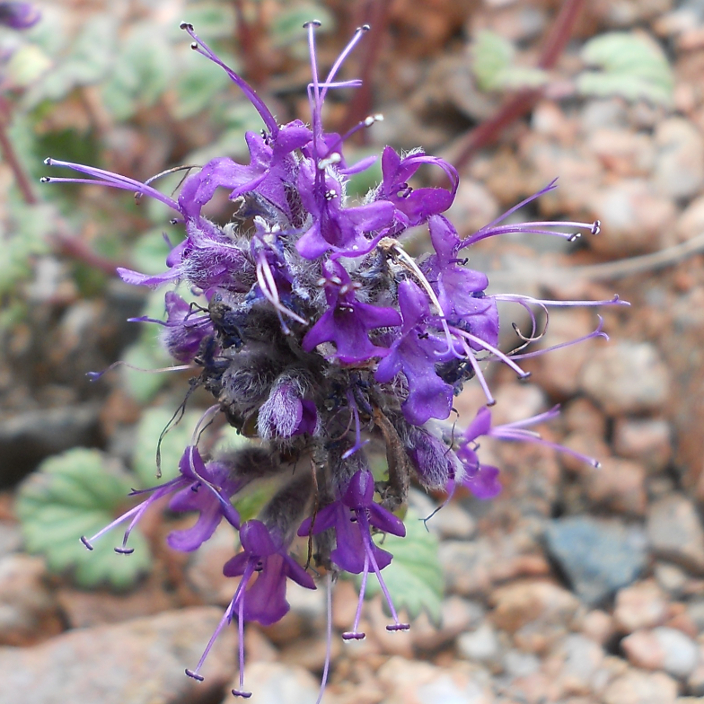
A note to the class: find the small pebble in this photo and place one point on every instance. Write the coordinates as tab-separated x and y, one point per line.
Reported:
642	605
676	533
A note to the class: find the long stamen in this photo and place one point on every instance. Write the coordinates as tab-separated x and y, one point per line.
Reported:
202	48
316	105
134	513
595	333
358	444
469	353
241	692
267	284
518	298
496	352
409	263
354	634
94	376
550	187
328	637
226	618
369	545
341	58
106	178
534	228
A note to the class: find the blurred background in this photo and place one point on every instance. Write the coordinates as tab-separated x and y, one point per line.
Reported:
575	585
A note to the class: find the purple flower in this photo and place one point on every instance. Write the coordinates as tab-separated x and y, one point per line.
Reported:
347	321
286	413
264	566
414	207
333	226
482	480
206	488
19	15
352	517
185	330
459	289
415	353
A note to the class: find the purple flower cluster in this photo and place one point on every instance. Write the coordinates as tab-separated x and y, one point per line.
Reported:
320	333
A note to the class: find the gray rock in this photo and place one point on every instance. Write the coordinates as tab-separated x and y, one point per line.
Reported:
598	557
626	377
27	438
481	645
675	532
28	607
140	662
638	687
679	169
276	683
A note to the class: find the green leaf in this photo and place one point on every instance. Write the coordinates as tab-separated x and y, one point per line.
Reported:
493	65
77	494
632	67
25	239
141	73
26	65
174	443
149	252
414	577
491	55
90	59
198	84
145	354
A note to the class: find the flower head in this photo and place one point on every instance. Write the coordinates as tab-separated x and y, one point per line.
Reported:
321	334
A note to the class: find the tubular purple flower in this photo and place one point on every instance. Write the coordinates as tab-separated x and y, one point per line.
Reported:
19	15
347	321
414	207
210	490
415	353
352	517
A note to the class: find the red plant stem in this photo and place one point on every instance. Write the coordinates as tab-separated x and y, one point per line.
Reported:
75	248
8	152
518	105
249	39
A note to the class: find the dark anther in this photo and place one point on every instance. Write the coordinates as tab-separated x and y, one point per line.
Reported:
240	693
194	46
596	227
423	335
84	540
314	23
195	675
189	27
365	27
349	635
398	627
44	179
48	161
574	237
124	551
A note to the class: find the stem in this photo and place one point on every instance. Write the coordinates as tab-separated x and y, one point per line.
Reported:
23	182
517	106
